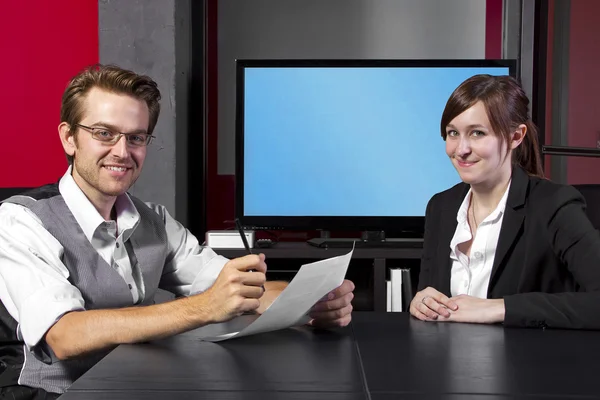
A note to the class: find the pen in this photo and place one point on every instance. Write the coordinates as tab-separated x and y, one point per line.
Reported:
245	241
243	235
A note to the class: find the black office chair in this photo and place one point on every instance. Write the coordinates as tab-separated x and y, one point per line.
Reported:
591	193
5	193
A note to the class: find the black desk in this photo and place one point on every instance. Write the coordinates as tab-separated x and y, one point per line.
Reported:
382	356
294	363
406	358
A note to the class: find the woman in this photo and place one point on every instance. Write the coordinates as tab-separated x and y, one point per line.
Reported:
506	245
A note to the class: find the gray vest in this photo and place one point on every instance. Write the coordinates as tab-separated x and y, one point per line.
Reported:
100	285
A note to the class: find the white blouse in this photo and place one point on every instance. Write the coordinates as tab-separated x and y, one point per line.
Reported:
470	275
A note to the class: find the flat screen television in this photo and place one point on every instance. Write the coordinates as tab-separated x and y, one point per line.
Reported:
343	145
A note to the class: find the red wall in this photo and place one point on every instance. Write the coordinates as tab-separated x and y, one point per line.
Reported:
584	87
43	44
493	29
220	199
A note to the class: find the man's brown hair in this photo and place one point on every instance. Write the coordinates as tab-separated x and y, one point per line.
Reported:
110	78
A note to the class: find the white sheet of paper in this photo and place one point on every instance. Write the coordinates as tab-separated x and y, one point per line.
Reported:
312	282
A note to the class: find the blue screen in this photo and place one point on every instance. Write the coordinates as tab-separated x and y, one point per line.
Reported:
340	141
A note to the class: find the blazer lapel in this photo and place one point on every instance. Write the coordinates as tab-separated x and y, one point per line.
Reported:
448	225
512	222
447	229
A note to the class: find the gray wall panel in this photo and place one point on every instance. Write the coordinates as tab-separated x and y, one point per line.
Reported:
140	35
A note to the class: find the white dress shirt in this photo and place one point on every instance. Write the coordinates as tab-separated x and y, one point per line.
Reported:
470	275
33	280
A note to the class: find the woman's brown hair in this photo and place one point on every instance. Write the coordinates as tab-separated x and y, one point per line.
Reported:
507	107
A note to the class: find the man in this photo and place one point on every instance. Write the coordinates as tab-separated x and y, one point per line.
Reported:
80	261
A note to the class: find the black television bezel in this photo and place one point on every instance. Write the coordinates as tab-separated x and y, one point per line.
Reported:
394	225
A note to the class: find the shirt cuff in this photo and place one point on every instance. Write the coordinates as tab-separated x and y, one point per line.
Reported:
209	274
44	308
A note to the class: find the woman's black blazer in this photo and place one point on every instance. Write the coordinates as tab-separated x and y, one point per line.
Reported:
547	262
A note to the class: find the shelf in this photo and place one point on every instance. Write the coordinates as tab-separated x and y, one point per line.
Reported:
302	250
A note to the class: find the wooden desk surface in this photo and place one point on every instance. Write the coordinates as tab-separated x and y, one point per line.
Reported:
381	356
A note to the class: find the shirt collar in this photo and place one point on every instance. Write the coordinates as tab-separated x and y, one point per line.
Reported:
127	215
461	216
501	205
463	232
464	208
86	215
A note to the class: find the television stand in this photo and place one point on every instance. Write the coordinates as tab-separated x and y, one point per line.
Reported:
396	243
285	258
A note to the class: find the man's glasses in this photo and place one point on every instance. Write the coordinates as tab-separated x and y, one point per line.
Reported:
111	137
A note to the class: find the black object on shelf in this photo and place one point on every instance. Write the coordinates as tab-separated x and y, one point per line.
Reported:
571	151
264	243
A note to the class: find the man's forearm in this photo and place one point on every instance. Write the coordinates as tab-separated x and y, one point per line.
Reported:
81	332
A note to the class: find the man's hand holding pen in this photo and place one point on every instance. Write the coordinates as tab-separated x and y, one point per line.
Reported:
241	284
240	229
238	288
